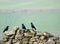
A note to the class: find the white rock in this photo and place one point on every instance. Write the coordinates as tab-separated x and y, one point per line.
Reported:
50	42
32	39
42	37
35	43
39	34
26	34
9	32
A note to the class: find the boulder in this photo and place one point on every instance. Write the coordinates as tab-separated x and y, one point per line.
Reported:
28	36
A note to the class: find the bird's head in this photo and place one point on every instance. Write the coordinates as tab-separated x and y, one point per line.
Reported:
22	24
31	23
7	26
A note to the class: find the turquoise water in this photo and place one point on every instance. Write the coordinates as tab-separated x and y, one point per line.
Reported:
42	21
49	21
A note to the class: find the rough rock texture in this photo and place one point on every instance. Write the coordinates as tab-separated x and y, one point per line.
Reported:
28	36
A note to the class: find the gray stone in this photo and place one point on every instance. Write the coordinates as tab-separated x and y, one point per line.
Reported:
50	42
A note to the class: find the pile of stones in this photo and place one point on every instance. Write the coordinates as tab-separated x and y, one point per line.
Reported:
28	36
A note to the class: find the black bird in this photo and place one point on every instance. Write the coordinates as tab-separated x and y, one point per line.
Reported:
7	27
33	27
23	26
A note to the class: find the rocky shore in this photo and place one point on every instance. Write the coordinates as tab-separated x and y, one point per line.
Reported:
28	36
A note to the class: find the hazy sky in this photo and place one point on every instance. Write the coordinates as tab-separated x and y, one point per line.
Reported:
21	4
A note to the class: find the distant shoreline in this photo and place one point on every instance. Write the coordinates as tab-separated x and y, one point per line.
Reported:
28	10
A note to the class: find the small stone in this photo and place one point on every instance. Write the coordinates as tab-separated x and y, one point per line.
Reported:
14	40
30	42
35	43
42	37
32	39
47	34
25	42
36	37
58	41
39	34
9	33
18	42
40	43
26	34
11	36
50	42
4	39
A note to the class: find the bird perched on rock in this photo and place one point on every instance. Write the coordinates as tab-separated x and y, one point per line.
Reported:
33	27
23	26
7	27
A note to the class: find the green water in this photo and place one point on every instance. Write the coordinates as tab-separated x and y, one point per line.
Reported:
49	22
42	21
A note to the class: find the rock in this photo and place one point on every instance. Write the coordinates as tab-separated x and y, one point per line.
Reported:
30	42
25	42
4	39
33	33
39	34
9	42
26	34
22	36
47	34
18	35
42	37
40	43
50	42
14	40
35	43
32	39
18	42
58	41
36	37
9	33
